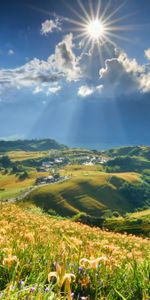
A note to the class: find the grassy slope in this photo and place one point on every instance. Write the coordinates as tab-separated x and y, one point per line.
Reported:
141	151
32	243
24	155
137	223
11	186
88	191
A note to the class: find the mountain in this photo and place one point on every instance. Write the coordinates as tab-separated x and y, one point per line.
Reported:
132	151
30	145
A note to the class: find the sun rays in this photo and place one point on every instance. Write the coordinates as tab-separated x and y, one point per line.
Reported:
97	25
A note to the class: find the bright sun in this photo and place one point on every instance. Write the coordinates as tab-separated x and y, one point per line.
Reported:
98	26
95	29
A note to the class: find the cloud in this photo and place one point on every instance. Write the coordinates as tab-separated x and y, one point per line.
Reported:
49	26
123	75
37	90
65	60
11	52
53	89
114	75
92	61
35	72
147	54
85	91
42	74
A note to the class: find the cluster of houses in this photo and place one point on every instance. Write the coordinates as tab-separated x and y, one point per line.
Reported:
55	163
89	161
50	179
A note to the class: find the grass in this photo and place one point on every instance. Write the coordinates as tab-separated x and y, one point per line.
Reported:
47	258
137	223
11	186
24	155
88	190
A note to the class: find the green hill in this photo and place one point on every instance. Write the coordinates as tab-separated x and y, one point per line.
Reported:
128	164
140	151
30	145
136	223
92	194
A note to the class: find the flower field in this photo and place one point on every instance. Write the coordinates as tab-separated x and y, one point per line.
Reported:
43	257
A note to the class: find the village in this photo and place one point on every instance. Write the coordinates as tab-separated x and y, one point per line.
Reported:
53	165
51	179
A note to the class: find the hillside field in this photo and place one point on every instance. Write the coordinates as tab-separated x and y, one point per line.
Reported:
88	190
46	258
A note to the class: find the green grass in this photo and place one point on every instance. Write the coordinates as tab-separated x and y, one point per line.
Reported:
24	155
11	186
89	191
137	223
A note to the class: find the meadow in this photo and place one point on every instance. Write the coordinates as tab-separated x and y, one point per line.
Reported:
11	187
43	257
89	190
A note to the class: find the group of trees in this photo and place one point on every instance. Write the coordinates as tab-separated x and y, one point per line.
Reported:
14	168
138	194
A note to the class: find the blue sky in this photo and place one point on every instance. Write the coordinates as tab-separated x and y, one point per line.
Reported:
52	84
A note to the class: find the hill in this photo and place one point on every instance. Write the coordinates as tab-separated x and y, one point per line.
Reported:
135	223
43	258
142	151
90	192
30	145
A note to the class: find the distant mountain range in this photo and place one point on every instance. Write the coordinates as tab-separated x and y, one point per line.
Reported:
30	145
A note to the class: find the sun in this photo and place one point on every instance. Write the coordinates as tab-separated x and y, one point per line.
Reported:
96	29
98	24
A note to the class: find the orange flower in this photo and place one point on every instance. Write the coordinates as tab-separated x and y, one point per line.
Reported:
9	260
93	263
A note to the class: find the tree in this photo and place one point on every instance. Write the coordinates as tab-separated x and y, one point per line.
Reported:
5	162
24	176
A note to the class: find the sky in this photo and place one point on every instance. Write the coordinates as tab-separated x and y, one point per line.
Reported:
77	71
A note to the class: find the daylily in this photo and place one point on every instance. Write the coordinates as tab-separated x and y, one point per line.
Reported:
93	263
62	278
9	260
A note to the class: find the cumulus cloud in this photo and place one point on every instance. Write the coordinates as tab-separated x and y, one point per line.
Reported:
65	60
114	75
37	90
49	26
85	91
92	61
147	54
41	74
53	89
123	75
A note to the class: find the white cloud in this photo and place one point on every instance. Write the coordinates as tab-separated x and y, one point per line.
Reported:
41	74
123	75
85	91
115	76
11	52
50	25
37	90
53	90
65	60
147	54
